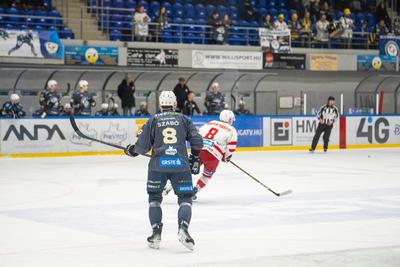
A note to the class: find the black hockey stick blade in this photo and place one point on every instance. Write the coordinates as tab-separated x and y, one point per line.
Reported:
82	135
287	192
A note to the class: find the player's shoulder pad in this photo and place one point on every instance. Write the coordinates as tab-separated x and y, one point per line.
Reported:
7	104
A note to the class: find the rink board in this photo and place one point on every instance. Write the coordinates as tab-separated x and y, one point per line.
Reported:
55	137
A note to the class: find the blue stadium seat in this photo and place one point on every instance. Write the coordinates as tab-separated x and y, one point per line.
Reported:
210	9
106	3
13	12
201	12
8	26
130	4
119	4
272	4
189	11
232	2
371	19
273	12
115	35
232	10
179	13
282	3
168	7
360	18
262	4
221	10
154	7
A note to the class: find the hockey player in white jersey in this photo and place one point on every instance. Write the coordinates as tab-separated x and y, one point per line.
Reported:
219	143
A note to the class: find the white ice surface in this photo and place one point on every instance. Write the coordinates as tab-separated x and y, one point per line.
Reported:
92	211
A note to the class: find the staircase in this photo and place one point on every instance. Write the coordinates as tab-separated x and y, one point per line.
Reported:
83	24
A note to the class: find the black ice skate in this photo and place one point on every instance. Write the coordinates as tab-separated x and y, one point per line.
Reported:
325	150
311	150
195	190
184	237
155	239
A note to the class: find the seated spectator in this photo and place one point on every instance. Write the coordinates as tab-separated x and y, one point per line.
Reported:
267	22
142	111
396	26
12	109
113	109
162	22
190	105
215	100
381	13
306	29
381	28
347	26
141	20
67	109
103	110
322	31
280	24
242	109
294	26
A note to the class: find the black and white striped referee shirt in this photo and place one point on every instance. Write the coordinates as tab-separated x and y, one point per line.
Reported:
328	114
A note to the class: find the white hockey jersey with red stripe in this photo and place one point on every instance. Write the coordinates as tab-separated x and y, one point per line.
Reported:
219	138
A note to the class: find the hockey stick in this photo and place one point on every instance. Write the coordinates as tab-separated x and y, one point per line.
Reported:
82	135
287	192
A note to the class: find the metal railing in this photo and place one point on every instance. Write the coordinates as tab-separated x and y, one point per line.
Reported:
123	29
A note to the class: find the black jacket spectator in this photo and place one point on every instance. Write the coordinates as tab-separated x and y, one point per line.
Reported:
126	91
190	106
181	92
381	13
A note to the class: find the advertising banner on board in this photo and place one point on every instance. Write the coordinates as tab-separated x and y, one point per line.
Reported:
284	61
376	63
226	60
28	43
147	57
91	55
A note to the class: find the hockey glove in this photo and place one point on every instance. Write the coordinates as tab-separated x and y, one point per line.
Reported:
194	164
130	151
227	158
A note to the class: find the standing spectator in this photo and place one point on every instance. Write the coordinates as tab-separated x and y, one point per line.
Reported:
295	27
142	111
12	109
396	26
365	33
227	24
267	22
82	101
327	116
381	28
162	22
306	29
49	100
381	13
347	26
325	9
215	100
314	10
141	20
218	33
181	91
242	110
190	105
126	92
103	110
280	24
322	32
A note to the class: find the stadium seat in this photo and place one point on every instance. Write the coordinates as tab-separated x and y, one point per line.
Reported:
154	7
130	4
115	35
221	10
189	11
119	4
210	9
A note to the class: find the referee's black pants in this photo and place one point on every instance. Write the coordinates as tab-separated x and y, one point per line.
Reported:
322	128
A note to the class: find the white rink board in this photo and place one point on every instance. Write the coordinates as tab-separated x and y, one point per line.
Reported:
57	135
373	130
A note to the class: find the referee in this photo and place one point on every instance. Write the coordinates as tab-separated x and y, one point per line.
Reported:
327	116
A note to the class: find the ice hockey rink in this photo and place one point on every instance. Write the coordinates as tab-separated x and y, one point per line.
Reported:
92	211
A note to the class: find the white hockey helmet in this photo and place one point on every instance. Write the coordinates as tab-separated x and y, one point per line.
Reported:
83	84
67	106
104	106
115	105
167	99
51	83
227	116
14	98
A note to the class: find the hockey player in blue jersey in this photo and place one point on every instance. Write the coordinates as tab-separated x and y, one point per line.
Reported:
25	38
4	34
12	108
82	101
165	135
49	100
